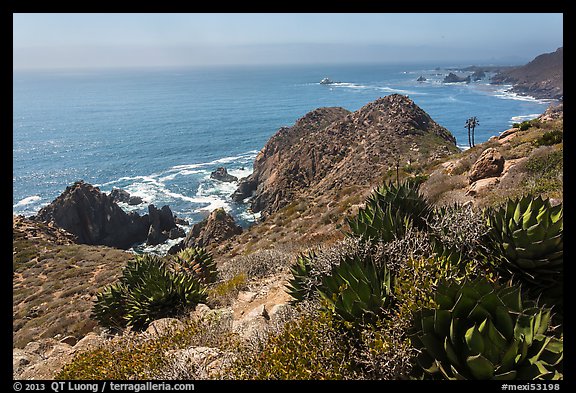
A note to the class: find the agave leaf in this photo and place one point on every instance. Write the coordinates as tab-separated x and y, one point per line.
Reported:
474	340
507	376
524	328
442	319
480	367
451	353
434	346
504	322
508	359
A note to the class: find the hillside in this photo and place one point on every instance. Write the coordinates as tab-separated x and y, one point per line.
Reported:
542	77
247	328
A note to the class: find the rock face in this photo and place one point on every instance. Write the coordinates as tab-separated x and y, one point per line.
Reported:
331	148
217	227
543	77
452	78
489	164
119	195
222	174
161	224
94	218
478	75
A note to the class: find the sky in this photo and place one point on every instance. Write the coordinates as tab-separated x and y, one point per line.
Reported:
92	40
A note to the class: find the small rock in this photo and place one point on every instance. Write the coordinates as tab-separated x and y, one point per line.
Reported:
259	311
246	296
90	341
482	184
70	340
135	200
222	174
163	326
277	310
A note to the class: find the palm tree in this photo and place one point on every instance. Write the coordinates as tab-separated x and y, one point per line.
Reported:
471	124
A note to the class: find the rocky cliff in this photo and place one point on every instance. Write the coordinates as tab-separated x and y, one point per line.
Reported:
95	218
331	148
543	77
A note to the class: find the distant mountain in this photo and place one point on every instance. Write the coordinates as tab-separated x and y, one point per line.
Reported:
543	77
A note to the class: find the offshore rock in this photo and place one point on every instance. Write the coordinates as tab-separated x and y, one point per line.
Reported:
94	218
222	174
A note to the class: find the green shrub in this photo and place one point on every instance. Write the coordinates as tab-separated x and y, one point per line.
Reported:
311	347
549	138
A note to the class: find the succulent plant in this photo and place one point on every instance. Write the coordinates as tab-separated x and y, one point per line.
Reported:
163	294
389	211
147	290
479	331
109	307
197	262
527	239
299	286
357	290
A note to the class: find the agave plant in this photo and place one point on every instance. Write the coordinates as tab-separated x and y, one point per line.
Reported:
164	294
389	211
198	262
299	286
478	331
110	306
147	290
357	290
526	237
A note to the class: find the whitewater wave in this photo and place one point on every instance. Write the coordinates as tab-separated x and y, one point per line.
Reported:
387	89
507	94
521	118
27	201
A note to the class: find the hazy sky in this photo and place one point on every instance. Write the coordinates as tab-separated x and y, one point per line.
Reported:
127	40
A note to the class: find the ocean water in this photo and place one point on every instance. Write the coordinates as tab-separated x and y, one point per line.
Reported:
159	133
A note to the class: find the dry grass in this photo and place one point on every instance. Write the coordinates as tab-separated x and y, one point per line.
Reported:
53	286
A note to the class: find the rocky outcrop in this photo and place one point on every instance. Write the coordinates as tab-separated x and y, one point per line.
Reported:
216	228
489	164
543	77
421	79
331	148
222	174
119	195
94	218
478	75
453	78
162	225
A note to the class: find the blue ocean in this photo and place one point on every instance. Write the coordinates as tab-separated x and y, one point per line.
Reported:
159	133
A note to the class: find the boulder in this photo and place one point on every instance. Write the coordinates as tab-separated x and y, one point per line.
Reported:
134	200
421	79
478	75
489	164
222	174
453	78
245	189
176	232
481	185
163	326
217	227
161	224
119	195
94	218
